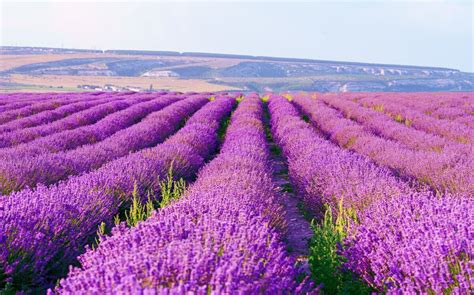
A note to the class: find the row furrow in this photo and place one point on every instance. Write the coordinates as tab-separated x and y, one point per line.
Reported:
220	237
402	240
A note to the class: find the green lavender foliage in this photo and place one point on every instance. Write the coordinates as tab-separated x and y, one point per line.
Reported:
171	189
100	234
117	220
138	212
326	264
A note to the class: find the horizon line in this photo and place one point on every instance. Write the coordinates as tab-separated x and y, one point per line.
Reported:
230	55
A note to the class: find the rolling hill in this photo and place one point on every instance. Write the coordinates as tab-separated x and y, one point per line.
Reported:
54	69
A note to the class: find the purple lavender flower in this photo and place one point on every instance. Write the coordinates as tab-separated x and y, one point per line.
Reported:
323	172
49	168
43	231
449	171
415	243
221	237
86	117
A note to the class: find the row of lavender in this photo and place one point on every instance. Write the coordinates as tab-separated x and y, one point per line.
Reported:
23	110
221	237
12	103
21	102
48	168
215	252
445	114
41	103
385	126
54	114
121	117
44	230
31	97
449	170
450	106
407	239
85	117
52	157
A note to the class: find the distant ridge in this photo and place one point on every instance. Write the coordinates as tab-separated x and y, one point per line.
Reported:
148	69
217	55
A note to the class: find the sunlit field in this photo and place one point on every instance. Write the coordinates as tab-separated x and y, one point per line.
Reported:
209	193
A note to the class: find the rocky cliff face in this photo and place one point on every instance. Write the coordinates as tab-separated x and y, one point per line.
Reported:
342	77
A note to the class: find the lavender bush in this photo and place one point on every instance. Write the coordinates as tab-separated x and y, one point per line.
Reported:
219	238
49	168
416	244
53	115
43	231
418	119
79	119
323	172
444	172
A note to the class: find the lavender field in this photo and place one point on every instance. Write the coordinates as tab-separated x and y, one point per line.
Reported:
223	193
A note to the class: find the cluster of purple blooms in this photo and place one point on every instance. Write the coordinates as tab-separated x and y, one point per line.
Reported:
49	168
405	240
44	230
384	126
444	172
458	130
74	161
415	243
52	115
323	172
221	237
35	108
79	119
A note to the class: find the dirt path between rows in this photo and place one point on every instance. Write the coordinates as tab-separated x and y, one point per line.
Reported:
299	230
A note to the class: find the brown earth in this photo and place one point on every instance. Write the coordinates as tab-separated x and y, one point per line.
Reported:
68	82
47	83
12	61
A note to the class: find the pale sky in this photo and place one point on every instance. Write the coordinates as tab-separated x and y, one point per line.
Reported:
427	33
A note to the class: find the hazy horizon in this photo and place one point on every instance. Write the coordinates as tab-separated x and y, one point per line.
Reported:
437	34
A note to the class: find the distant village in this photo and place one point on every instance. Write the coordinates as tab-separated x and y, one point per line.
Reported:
113	88
110	87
